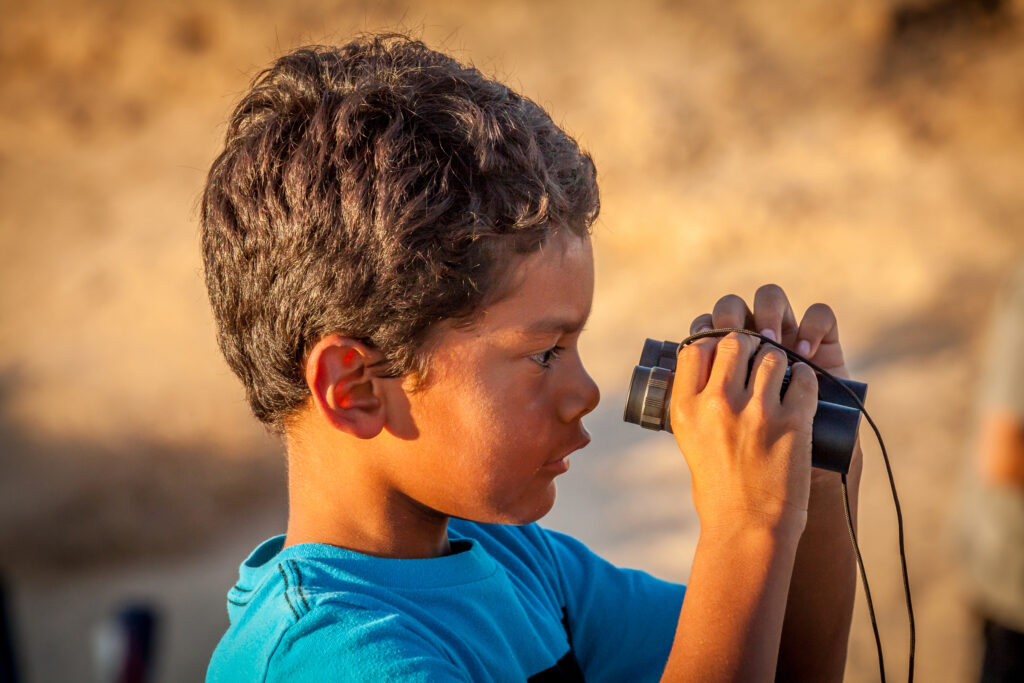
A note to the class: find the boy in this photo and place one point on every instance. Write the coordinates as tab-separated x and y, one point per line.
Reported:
398	259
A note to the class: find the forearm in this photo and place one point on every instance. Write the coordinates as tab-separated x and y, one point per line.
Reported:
749	459
731	620
821	594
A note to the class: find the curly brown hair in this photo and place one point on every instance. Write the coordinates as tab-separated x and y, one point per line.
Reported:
374	190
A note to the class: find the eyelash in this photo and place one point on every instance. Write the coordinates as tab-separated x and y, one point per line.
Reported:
545	358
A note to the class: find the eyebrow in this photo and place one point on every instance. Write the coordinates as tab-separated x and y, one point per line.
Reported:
550	325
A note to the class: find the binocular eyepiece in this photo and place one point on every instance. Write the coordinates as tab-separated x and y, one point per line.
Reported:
834	431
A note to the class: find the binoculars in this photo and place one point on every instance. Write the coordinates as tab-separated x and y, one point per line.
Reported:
834	431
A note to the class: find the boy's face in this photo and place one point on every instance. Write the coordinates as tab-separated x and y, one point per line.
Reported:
501	411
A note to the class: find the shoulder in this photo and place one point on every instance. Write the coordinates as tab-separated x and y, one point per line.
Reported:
308	619
297	626
347	642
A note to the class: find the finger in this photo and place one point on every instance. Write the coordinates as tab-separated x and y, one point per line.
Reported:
693	367
817	327
732	311
766	375
732	359
802	394
773	315
700	323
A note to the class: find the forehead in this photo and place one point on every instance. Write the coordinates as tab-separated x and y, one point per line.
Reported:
550	290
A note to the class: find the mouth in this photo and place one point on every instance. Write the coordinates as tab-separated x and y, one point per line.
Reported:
561	465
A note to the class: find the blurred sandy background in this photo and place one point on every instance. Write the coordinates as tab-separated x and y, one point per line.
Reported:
868	154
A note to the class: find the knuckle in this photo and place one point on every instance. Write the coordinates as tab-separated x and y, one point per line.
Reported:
705	343
732	342
802	410
804	376
679	408
718	401
688	352
795	421
773	358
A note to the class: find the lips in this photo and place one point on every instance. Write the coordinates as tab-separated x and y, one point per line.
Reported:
561	463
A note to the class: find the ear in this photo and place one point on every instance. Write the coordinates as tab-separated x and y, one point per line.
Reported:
345	391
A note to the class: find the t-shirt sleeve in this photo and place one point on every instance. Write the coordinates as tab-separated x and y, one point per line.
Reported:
321	648
621	622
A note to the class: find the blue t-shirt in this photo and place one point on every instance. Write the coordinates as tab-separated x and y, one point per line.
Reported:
509	603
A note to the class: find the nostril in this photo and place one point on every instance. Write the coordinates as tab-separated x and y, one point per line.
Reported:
592	396
579	402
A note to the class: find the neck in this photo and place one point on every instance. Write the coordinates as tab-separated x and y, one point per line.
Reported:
358	510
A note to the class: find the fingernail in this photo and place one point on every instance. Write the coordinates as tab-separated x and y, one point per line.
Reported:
703	330
770	333
804	347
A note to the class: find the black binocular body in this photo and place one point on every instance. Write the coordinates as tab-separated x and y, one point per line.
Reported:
834	431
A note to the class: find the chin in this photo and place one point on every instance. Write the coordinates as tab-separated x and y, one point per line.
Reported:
526	510
539	507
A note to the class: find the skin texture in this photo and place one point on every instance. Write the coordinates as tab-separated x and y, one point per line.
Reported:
379	468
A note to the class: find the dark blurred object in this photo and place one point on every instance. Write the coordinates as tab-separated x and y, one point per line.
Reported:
125	644
943	15
928	40
1003	661
8	660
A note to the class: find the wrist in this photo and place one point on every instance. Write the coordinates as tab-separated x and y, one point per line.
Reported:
778	532
826	509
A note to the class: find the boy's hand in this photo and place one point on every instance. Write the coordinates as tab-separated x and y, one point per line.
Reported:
816	338
748	451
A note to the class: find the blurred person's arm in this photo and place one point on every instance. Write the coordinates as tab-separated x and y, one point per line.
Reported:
773	580
1000	442
1001	449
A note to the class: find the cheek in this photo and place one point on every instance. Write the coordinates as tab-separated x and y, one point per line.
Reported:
462	425
514	414
489	422
500	433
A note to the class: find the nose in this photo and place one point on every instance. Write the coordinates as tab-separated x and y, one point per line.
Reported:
582	398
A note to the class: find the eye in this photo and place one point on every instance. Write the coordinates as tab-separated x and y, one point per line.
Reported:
545	358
